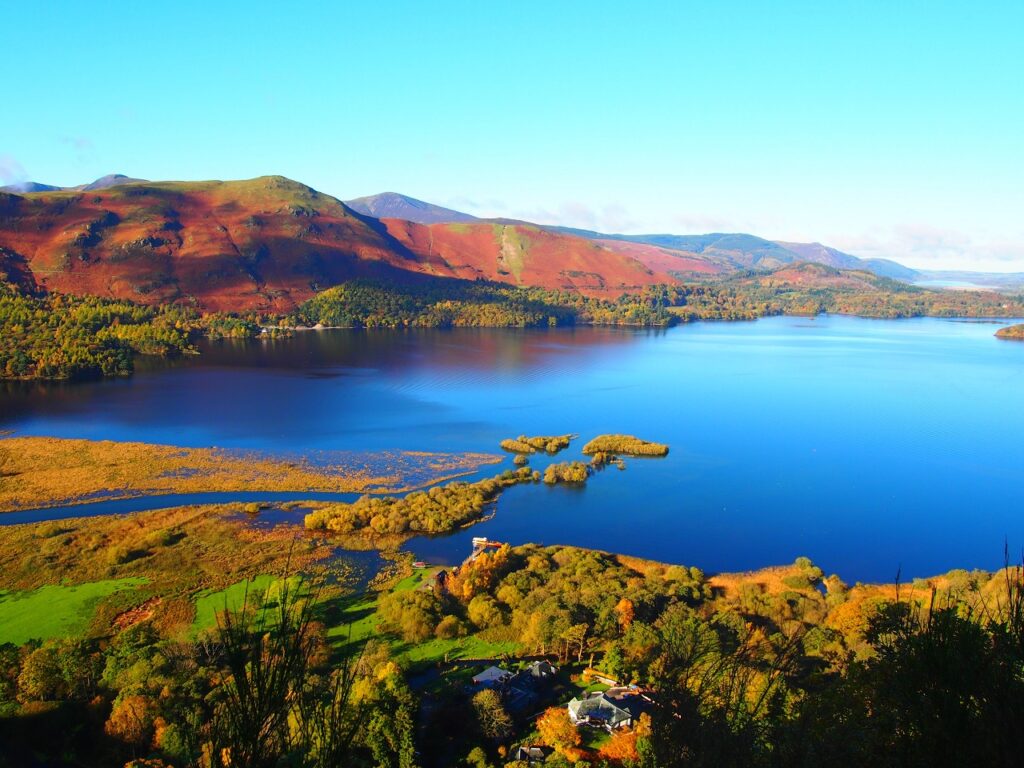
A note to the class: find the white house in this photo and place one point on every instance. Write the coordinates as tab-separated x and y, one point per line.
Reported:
599	710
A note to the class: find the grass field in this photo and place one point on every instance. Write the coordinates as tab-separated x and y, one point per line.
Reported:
358	620
54	610
210	603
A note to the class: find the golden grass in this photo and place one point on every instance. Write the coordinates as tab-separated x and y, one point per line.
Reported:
179	551
47	471
768	581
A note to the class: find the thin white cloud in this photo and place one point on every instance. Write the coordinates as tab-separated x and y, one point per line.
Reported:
924	246
80	143
11	171
82	146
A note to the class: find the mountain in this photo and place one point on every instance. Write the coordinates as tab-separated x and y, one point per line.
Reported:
391	205
735	251
271	243
817	253
27	187
103	182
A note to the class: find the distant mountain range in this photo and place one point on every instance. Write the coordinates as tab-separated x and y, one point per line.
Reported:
729	251
271	243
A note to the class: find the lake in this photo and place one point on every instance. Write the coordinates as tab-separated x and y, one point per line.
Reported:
867	445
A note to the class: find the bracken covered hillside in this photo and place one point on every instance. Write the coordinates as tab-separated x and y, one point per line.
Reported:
270	244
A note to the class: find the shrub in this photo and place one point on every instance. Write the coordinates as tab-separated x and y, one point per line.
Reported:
449	628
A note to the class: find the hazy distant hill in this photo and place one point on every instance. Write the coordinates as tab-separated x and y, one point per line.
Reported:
391	205
103	182
744	251
823	254
25	187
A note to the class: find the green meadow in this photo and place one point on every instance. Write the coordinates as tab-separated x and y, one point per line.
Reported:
54	610
233	598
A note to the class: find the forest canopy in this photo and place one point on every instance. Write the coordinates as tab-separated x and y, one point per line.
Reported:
54	336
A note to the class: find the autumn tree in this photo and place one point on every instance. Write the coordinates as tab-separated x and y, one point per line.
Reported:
625	611
131	720
557	731
622	747
495	722
575	638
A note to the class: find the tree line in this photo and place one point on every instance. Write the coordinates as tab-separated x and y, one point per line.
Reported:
55	336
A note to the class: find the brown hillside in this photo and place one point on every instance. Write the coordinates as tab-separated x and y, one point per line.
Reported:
269	244
522	254
666	260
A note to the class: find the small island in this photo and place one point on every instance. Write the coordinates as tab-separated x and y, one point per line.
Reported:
624	444
1013	332
550	444
566	472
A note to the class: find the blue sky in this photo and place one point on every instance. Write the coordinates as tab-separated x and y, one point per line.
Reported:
886	129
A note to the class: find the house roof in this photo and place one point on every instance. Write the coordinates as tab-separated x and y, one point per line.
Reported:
533	752
541	668
597	706
491	675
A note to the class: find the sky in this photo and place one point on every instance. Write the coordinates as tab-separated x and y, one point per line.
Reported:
885	129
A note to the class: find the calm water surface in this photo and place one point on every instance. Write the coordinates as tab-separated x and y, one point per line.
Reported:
866	445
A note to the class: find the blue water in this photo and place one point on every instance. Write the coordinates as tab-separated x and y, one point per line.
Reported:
867	445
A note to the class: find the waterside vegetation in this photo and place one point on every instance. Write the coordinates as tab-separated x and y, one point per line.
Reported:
550	444
566	472
54	336
47	471
1015	332
624	444
440	509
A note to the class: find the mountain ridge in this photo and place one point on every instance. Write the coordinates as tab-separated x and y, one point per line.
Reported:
268	244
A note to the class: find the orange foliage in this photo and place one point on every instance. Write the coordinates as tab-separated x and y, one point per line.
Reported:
557	730
131	720
625	611
621	746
